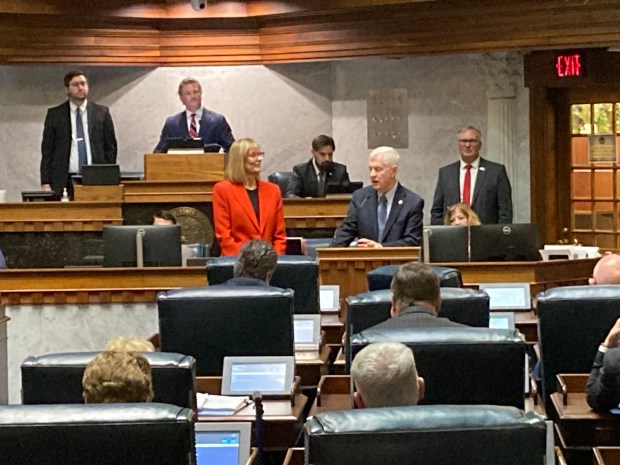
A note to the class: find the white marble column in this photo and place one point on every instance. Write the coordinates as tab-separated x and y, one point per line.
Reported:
502	72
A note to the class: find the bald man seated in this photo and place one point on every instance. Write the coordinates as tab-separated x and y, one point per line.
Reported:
607	270
385	375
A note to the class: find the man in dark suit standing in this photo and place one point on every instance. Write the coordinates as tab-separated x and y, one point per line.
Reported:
416	299
76	133
384	214
195	121
479	183
311	178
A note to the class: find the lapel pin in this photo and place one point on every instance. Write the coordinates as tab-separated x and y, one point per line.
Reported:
482	168
400	202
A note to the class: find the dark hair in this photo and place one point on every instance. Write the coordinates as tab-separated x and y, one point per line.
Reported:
321	141
166	215
415	282
71	74
256	259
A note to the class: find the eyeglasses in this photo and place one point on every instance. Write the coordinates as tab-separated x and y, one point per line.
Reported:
468	141
256	155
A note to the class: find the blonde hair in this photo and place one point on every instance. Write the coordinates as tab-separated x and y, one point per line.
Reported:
129	344
472	218
235	167
118	376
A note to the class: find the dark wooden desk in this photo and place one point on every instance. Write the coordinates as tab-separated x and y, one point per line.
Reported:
295	456
602	456
578	427
282	422
311	365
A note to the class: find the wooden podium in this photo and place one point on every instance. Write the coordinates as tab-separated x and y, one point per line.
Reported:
200	167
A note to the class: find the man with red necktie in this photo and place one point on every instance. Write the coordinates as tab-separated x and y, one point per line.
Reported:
195	121
475	181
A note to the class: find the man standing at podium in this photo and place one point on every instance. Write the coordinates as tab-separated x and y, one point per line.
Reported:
384	214
195	121
76	133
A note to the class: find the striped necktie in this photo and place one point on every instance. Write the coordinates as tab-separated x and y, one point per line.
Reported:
193	128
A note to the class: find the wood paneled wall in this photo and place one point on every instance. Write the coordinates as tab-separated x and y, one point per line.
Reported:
169	32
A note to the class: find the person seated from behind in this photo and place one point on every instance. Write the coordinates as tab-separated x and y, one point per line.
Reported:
129	344
607	270
385	375
603	388
117	376
460	214
416	299
254	265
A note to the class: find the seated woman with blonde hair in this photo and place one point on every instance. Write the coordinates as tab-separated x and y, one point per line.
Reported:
460	214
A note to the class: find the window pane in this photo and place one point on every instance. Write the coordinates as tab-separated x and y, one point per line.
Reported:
605	240
581	186
582	216
603	118
580	119
579	151
603	184
604	216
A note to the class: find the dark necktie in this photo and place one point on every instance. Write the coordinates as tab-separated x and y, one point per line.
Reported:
193	129
81	141
467	186
381	216
321	184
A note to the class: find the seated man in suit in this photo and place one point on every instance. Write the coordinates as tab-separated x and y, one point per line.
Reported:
255	264
607	270
474	181
117	376
311	178
384	214
603	388
415	299
195	121
385	375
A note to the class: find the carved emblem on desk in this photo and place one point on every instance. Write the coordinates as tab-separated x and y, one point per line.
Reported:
195	226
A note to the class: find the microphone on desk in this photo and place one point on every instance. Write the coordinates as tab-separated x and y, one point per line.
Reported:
257	397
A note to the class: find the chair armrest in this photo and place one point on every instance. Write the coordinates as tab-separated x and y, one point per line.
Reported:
571	383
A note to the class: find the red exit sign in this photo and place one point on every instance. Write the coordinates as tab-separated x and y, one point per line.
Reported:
569	65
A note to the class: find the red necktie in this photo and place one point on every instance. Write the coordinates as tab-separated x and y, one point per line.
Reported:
467	186
192	127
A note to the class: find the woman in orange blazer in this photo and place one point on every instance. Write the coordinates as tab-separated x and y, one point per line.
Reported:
244	207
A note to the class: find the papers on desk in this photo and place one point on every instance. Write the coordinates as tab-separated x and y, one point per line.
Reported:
570	252
211	404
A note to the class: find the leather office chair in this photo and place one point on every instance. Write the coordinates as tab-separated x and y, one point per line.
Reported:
96	434
466	306
461	365
296	272
572	323
381	278
426	435
314	243
284	180
216	321
57	378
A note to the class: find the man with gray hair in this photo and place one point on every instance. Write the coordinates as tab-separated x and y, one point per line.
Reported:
255	264
481	184
385	375
384	214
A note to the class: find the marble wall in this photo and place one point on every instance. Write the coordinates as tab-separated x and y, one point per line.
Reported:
283	107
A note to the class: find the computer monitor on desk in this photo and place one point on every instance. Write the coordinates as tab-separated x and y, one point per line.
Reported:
445	244
161	245
504	243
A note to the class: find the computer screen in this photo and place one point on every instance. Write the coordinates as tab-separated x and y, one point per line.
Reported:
502	320
504	243
446	244
222	443
329	297
304	331
508	296
161	245
267	375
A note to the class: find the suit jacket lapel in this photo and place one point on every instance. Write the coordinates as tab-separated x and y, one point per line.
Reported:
454	194
182	125
479	179
313	181
243	200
